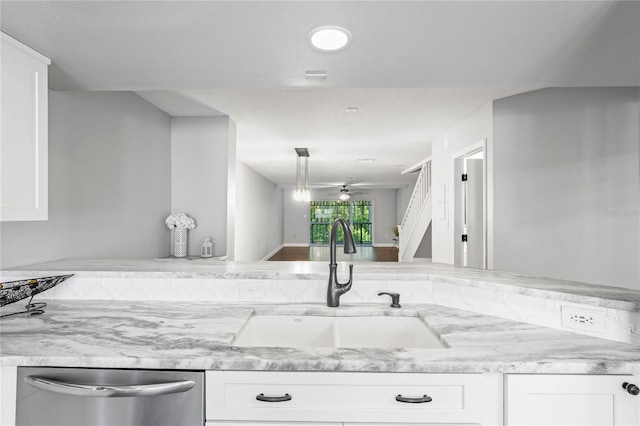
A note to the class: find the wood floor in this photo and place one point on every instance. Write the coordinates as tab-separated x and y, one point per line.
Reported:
321	254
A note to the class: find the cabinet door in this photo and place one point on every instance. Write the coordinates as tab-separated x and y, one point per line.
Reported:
8	380
560	400
414	424
23	138
210	423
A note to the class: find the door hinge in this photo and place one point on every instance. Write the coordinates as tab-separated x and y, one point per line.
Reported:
464	177
464	238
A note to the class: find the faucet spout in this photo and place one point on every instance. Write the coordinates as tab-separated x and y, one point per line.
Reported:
335	289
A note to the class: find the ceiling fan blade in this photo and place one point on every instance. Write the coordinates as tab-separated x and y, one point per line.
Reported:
320	185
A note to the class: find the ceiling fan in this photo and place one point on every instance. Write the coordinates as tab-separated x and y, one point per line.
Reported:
344	193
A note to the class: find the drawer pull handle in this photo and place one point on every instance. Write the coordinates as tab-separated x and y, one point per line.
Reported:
420	400
264	398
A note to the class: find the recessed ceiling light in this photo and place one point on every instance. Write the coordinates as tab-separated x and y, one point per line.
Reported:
365	160
329	39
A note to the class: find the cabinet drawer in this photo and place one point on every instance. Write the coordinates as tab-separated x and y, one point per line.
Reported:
344	397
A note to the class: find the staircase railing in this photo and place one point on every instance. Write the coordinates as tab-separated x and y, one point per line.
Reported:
416	203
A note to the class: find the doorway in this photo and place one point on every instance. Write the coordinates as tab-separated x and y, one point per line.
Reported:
470	229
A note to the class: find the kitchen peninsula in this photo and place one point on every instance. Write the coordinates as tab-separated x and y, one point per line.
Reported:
185	315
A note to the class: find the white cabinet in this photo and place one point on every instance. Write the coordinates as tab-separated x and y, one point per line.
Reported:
273	424
8	381
23	138
560	400
370	399
244	398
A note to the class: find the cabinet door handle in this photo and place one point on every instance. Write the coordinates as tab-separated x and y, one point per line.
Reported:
420	400
631	388
262	397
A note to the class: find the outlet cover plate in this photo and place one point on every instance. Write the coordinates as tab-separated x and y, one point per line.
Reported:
578	318
251	290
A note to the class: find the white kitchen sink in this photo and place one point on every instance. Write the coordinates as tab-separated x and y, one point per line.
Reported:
304	331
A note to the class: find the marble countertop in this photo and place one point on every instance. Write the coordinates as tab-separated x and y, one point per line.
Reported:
570	291
199	336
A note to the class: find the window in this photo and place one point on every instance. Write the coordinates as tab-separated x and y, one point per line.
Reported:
359	215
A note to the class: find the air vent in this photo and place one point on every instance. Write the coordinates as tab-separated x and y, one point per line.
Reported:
316	76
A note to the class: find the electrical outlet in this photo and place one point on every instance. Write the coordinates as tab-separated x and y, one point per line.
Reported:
583	319
251	291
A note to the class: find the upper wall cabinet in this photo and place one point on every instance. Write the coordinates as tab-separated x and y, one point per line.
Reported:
23	136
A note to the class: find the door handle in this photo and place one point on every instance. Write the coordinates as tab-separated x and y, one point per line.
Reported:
113	391
419	400
263	398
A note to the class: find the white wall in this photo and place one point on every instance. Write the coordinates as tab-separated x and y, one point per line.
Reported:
468	132
231	190
109	182
259	215
567	191
296	215
199	177
403	196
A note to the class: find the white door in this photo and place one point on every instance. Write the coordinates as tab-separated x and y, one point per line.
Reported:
458	217
562	400
474	213
469	222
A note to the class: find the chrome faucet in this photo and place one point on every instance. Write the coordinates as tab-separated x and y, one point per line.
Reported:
335	289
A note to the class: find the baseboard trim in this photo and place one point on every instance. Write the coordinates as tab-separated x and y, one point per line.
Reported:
296	245
267	257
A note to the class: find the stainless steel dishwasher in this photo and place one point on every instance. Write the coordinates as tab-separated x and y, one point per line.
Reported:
103	397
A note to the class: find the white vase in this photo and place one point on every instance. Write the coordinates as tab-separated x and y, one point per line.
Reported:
180	236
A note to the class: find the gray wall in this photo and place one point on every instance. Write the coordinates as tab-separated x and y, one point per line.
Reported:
109	182
384	215
199	170
566	185
296	216
424	249
259	215
464	136
296	220
231	189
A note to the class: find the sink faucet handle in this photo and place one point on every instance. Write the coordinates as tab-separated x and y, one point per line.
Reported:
395	298
346	286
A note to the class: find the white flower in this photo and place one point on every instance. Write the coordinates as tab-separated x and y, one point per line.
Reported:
180	220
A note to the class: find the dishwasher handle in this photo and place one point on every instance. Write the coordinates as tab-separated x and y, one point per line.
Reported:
113	391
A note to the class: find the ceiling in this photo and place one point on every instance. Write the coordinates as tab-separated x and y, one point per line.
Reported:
413	68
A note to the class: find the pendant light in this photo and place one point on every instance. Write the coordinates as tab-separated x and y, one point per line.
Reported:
301	193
